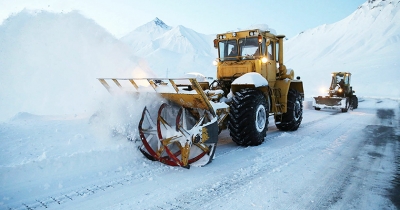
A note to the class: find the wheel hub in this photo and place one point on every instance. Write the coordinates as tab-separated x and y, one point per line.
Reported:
297	110
261	116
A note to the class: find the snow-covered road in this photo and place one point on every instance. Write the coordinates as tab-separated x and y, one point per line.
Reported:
333	161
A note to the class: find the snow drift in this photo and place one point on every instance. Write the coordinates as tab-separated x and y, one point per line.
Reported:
49	63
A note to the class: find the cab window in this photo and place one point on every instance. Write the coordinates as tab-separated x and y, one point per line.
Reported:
249	47
228	50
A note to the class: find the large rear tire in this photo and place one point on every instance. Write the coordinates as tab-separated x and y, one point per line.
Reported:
248	117
291	120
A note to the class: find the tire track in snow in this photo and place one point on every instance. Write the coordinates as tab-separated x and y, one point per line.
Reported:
356	170
329	138
268	162
221	187
74	193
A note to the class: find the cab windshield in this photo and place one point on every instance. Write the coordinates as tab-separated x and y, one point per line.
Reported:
246	48
340	80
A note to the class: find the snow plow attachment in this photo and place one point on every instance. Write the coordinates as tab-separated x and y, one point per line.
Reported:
321	102
328	101
184	131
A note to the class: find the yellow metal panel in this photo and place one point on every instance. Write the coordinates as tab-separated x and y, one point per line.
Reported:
187	100
271	71
231	69
197	87
297	85
282	87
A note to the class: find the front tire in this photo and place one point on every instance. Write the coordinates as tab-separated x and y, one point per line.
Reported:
248	117
291	120
354	101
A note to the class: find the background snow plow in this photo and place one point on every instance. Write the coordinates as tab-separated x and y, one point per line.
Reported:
330	102
252	84
340	94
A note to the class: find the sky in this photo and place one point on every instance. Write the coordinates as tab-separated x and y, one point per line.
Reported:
120	17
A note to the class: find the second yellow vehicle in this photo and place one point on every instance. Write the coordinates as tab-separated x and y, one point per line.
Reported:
340	94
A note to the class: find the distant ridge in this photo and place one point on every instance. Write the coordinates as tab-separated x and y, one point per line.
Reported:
172	51
366	43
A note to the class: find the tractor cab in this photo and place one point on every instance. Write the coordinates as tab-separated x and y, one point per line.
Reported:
248	51
340	85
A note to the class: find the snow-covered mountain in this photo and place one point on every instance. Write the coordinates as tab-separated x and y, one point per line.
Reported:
49	63
366	43
142	37
172	51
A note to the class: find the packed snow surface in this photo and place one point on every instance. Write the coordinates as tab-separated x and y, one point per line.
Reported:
334	160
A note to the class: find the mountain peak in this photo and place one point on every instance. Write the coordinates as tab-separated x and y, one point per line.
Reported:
151	30
160	23
371	4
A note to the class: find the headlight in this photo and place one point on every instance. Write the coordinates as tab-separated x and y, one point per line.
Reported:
215	62
340	90
264	59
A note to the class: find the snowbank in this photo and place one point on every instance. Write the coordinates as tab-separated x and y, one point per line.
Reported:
49	63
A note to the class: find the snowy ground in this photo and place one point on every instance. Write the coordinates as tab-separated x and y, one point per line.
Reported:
334	161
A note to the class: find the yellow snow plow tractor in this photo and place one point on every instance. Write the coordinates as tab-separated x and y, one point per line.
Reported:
252	84
340	95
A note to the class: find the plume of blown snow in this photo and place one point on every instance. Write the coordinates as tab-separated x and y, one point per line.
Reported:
49	63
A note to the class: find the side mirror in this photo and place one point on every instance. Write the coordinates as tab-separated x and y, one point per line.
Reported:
215	43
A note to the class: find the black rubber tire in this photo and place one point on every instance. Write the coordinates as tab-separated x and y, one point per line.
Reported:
244	126
291	120
354	100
